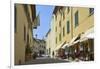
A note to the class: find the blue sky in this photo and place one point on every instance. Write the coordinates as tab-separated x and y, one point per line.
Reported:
45	19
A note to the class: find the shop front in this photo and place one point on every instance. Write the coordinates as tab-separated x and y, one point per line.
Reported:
60	52
87	46
65	47
73	48
87	50
74	51
83	50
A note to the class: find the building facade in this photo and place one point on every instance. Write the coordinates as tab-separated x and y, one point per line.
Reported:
24	23
39	47
48	43
72	26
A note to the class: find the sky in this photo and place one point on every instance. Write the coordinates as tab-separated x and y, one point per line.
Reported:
45	12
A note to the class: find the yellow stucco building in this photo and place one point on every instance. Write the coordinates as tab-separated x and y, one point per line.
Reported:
72	26
23	24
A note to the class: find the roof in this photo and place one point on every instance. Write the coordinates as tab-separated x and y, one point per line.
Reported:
39	40
57	8
33	9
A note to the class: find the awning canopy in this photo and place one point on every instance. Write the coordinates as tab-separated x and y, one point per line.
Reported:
73	43
87	35
59	46
74	40
64	46
91	35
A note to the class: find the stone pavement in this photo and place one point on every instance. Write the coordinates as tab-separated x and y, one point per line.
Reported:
45	60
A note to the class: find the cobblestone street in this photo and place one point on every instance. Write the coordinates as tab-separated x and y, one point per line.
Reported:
45	60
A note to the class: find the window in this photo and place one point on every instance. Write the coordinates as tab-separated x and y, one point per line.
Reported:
91	42
63	15
60	12
15	16
56	40
60	37
56	29
91	11
59	23
63	31
49	50
76	19
56	16
68	9
24	33
68	27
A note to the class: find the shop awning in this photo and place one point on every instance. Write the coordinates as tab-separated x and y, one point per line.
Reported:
91	35
64	46
74	40
87	35
73	43
59	46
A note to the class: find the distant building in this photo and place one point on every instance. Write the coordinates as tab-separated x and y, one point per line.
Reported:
48	43
39	46
25	21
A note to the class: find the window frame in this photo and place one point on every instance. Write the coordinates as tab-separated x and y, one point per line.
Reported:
68	27
76	17
63	31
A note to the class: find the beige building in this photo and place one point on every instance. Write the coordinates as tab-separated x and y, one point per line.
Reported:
52	38
24	23
62	37
48	43
72	26
39	46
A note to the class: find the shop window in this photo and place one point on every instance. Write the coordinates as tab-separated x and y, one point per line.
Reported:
81	46
91	45
85	47
76	19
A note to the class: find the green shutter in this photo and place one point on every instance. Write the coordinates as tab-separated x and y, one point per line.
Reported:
76	19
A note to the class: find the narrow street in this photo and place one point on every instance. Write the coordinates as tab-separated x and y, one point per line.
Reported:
45	60
43	32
